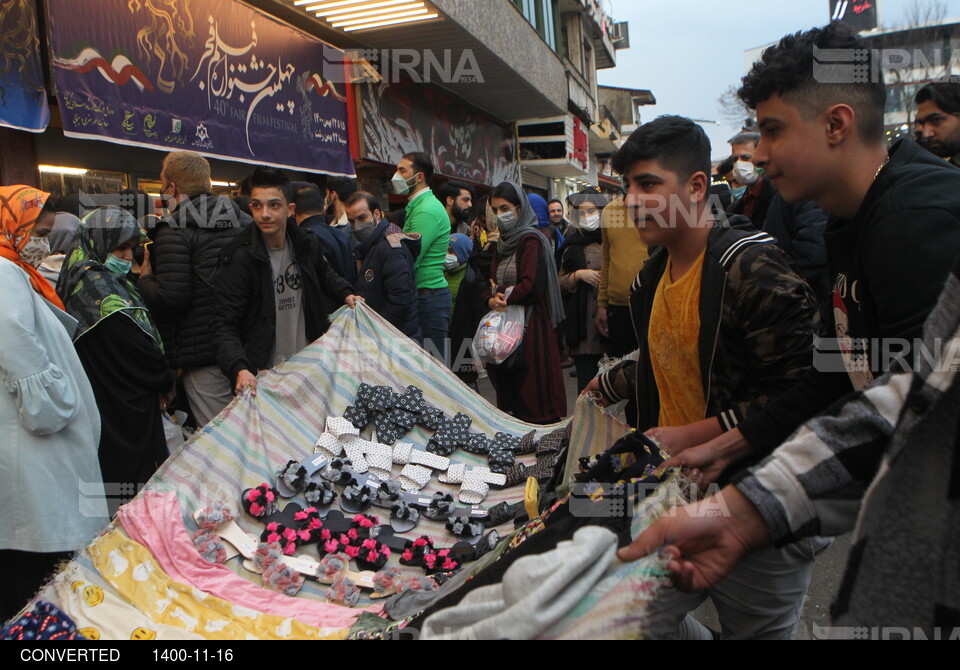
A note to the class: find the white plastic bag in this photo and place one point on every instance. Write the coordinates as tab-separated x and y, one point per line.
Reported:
500	335
173	430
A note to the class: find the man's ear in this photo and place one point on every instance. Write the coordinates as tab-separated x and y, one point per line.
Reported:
292	212
699	186
840	121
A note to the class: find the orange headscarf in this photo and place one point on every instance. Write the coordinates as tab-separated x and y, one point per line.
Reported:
20	207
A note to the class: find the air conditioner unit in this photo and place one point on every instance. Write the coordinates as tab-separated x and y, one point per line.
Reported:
620	35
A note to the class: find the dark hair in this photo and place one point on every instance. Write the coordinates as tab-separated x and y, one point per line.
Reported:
453	189
342	186
725	167
506	192
559	202
243	186
787	69
675	142
309	200
368	198
71	204
421	163
266	177
136	202
945	95
480	208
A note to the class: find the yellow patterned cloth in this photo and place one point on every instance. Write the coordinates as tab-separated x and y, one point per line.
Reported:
131	570
674	337
99	611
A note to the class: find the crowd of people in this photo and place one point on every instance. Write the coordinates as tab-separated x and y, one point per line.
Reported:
822	233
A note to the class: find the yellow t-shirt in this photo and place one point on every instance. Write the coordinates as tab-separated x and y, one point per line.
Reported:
674	337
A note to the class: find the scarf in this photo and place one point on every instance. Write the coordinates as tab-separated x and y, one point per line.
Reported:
20	207
89	290
577	303
510	242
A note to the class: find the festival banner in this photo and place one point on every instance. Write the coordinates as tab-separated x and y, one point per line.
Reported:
402	118
213	76
23	98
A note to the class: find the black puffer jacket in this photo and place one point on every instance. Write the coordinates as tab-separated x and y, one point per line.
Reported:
184	256
245	320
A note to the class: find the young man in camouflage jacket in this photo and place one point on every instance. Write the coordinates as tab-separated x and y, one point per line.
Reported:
724	325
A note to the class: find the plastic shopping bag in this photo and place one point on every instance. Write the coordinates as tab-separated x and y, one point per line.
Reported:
500	335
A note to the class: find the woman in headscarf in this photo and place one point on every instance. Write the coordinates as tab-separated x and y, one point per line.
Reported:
118	344
61	238
48	417
525	273
27	216
580	266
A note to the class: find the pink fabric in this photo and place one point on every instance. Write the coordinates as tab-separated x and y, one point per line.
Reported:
154	520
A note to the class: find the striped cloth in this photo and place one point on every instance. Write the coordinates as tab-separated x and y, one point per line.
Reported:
255	436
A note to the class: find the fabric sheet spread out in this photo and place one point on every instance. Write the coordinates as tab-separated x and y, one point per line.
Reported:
245	446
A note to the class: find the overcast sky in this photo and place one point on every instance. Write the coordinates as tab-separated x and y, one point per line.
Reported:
689	52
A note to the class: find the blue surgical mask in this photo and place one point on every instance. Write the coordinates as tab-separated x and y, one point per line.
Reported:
118	266
738	192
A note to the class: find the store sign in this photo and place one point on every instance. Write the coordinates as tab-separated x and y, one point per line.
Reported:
23	98
858	15
212	76
403	118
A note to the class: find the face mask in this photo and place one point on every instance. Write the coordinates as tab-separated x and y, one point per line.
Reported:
507	221
402	186
452	263
745	173
35	250
118	266
364	230
738	192
590	223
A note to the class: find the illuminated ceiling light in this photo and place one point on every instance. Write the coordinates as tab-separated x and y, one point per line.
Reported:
224	184
56	169
393	15
328	14
380	24
329	5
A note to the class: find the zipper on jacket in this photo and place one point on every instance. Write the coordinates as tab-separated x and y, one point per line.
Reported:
716	339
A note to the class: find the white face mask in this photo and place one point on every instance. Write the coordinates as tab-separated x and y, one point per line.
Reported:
402	186
452	263
591	222
745	173
507	221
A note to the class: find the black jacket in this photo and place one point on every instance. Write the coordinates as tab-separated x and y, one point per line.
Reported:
799	230
184	256
758	322
335	246
759	214
888	265
386	280
244	325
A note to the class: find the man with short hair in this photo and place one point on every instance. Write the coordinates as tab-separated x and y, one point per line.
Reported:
892	208
457	199
334	243
269	286
386	278
755	201
176	279
938	119
557	219
337	191
724	325
882	459
427	217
